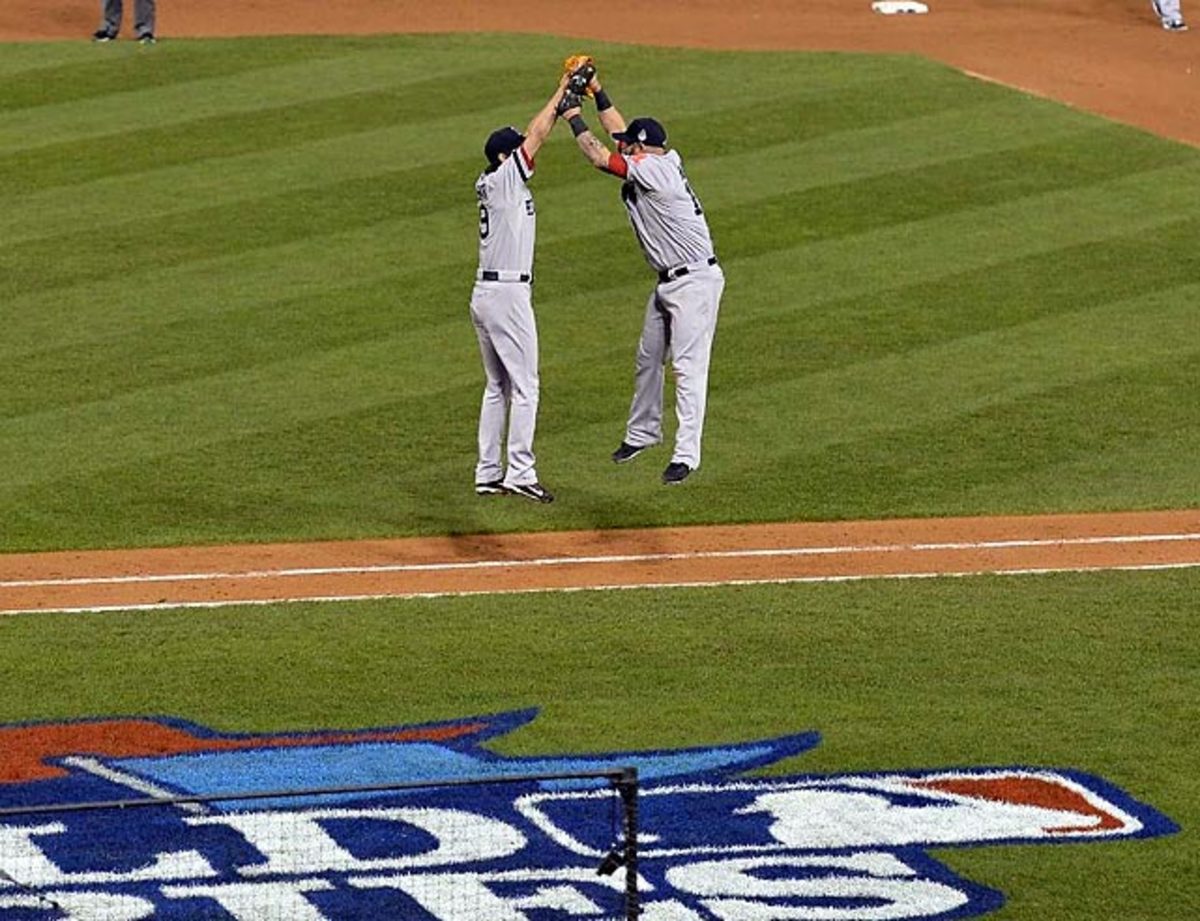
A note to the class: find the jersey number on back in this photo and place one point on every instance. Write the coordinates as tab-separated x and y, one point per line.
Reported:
485	218
687	185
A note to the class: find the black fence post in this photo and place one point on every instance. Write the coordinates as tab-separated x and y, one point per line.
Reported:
627	786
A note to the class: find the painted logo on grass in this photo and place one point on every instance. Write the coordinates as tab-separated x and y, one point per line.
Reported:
714	844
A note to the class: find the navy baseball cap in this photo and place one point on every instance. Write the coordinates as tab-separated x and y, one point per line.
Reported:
502	141
643	131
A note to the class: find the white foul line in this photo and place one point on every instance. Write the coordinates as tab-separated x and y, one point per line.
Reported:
597	560
409	596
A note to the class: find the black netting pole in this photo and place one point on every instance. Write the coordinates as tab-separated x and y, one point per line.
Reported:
627	786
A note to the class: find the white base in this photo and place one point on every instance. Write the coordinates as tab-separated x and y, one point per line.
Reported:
890	7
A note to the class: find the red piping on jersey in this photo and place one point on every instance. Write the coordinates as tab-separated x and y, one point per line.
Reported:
525	154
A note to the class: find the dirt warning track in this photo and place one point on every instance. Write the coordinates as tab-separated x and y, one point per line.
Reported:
583	560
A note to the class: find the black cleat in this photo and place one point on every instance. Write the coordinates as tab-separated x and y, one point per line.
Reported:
147	38
627	452
676	473
103	35
535	491
494	488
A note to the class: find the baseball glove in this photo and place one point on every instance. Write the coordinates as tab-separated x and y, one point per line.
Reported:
569	101
581	68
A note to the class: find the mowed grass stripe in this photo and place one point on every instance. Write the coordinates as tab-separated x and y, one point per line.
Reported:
312	268
224	74
965	302
1118	456
407	190
109	104
996	366
268	343
737	226
364	154
35	266
1028	443
809	109
182	97
54	80
826	407
208	232
216	137
974	239
843	211
349	308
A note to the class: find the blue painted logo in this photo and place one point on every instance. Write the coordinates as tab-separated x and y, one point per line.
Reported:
714	844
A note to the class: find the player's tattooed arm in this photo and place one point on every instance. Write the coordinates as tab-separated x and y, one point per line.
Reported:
596	153
592	147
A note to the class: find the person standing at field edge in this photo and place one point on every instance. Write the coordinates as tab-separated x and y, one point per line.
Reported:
143	21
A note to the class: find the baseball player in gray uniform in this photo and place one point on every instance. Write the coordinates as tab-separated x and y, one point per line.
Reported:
1169	14
502	309
681	313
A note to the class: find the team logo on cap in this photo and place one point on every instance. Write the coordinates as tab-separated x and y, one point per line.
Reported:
714	844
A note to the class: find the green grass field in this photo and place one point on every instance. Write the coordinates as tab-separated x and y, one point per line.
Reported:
235	278
233	299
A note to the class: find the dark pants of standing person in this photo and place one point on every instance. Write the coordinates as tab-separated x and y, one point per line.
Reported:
143	17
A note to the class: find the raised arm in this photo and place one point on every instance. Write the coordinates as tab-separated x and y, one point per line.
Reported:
610	118
540	127
591	146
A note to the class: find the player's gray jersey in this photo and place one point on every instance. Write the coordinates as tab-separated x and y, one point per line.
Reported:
664	211
507	222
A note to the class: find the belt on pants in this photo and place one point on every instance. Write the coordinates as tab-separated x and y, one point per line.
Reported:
490	275
680	271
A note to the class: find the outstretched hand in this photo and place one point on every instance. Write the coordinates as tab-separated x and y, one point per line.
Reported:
569	105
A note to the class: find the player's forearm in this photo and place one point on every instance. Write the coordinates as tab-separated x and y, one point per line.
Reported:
612	121
541	125
589	145
610	117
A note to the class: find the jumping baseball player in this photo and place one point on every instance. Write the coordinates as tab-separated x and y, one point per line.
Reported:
681	313
502	309
1169	14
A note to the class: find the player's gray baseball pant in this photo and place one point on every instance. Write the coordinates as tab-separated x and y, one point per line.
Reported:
508	343
143	16
680	321
1167	9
